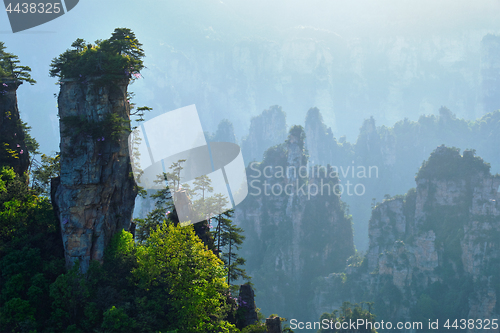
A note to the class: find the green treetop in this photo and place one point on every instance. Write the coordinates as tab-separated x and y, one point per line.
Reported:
119	55
10	68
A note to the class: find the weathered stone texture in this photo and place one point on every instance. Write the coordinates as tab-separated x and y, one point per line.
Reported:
273	325
96	194
410	247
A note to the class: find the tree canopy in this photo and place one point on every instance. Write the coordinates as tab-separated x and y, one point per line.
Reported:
120	55
10	68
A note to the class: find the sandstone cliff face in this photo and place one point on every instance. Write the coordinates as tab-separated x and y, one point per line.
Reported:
439	243
14	153
95	197
294	233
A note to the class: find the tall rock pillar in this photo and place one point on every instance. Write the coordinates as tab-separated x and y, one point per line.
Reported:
96	192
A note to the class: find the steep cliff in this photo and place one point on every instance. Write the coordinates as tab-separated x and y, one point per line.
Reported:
96	193
296	227
13	152
434	252
266	130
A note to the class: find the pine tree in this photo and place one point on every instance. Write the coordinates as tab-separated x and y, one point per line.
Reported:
233	236
123	41
10	68
229	239
202	184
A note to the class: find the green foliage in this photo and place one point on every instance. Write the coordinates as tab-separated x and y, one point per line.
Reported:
17	311
203	184
31	144
229	239
21	212
347	313
443	301
297	133
30	255
447	163
116	320
163	212
119	56
256	328
48	169
195	302
111	127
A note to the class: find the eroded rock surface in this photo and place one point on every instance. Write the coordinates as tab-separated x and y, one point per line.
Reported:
435	248
96	194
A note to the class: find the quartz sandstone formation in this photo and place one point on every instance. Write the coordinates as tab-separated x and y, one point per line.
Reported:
95	195
11	131
295	236
247	300
446	231
273	325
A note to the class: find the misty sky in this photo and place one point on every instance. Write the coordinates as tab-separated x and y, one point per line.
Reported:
157	23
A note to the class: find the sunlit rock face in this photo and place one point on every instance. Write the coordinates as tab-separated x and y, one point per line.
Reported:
13	153
439	241
96	194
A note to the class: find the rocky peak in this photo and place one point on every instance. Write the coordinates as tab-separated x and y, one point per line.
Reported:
266	130
320	142
296	157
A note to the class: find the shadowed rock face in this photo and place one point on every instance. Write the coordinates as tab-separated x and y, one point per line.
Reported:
293	235
247	301
96	194
14	154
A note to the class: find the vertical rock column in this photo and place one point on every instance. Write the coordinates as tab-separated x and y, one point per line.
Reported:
13	150
96	192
